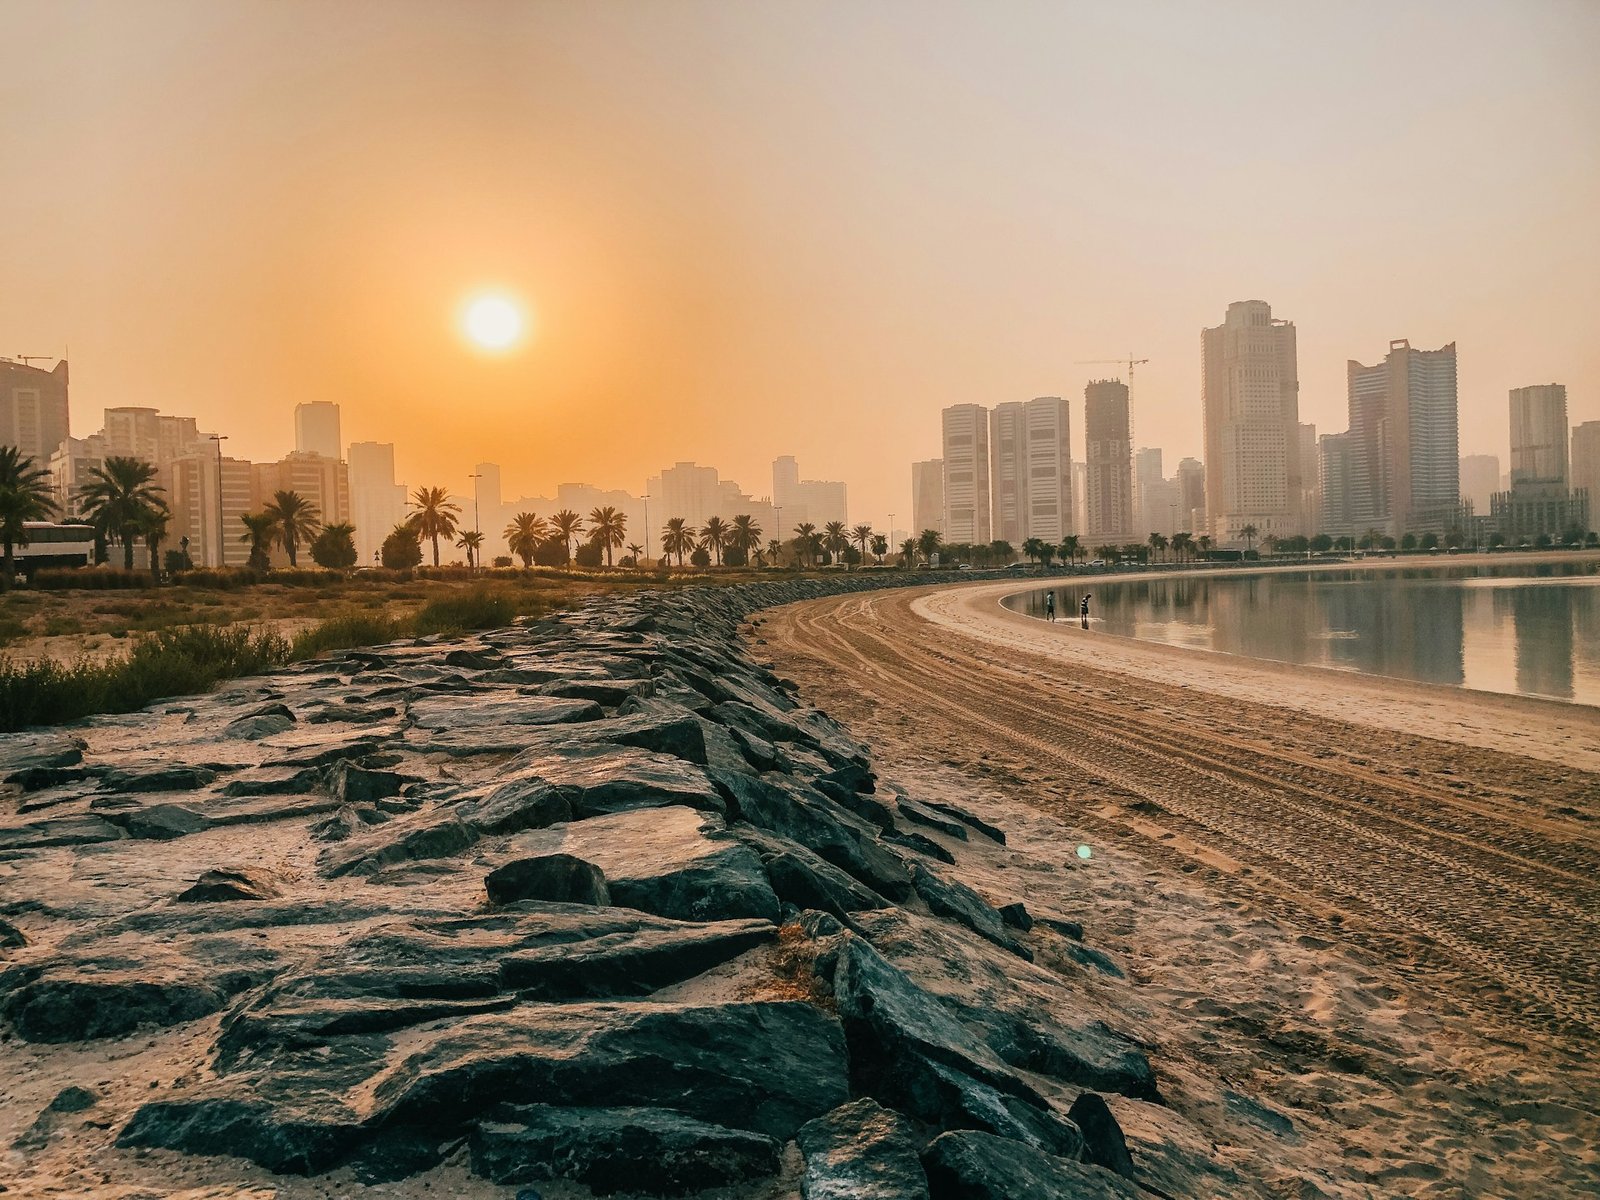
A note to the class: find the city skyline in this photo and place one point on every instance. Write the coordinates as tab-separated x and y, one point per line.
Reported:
178	215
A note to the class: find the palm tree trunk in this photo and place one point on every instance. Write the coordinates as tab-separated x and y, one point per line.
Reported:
436	549
11	565
127	552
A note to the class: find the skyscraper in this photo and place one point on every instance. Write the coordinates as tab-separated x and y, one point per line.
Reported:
1192	495
1480	479
377	502
1007	472
1251	390
1049	509
1030	470
1336	481
1404	455
1539	435
1108	447
927	496
33	408
966	474
813	501
316	429
1585	468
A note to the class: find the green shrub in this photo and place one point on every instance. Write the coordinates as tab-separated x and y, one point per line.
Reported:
477	609
174	662
89	579
341	633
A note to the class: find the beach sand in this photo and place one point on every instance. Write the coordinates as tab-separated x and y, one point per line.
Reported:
1376	902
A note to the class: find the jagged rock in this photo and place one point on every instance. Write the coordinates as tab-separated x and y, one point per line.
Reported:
159	822
921	845
38	760
909	1050
499	713
558	877
273	781
416	836
1103	1143
924	815
972	1165
861	1151
156	779
644	724
264	722
992	832
1015	915
75	829
350	783
523	800
279	1137
346	821
806	880
71	1099
781	808
958	902
609	693
96	997
630	963
1090	957
618	1149
11	938
597	779
1026	1015
474	660
234	884
673	861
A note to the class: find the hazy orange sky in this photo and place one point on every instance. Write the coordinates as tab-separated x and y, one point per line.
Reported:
749	229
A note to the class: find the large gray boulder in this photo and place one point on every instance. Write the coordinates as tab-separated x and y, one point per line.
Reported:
973	1165
609	1150
861	1151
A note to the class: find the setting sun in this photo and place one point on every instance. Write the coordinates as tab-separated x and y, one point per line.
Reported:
492	321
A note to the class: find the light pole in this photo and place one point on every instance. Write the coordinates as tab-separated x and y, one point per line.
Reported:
778	508
646	499
890	537
222	553
475	529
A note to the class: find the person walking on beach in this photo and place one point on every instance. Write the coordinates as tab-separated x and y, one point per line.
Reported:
1083	609
1050	606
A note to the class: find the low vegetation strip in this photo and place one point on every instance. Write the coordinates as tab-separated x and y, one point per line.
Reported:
192	659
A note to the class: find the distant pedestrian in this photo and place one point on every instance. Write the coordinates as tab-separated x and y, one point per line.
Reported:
1083	609
1050	606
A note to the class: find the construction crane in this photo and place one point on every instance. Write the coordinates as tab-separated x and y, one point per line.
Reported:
1130	362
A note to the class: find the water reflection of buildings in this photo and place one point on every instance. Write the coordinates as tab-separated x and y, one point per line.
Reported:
1403	629
1542	619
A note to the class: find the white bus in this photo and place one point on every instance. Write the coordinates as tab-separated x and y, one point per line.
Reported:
70	544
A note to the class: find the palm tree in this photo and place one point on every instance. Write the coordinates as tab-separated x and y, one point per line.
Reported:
1180	544
1033	549
471	540
745	535
861	535
524	534
677	538
835	539
805	540
261	531
335	546
775	552
1204	543
566	525
433	515
637	551
715	535
1158	543
297	518
1249	535
908	552
1071	547
118	498
928	542
24	496
607	528
154	530
880	546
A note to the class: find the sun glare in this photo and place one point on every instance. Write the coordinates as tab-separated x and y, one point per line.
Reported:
492	321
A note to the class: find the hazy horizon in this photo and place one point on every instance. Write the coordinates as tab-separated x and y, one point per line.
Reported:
752	230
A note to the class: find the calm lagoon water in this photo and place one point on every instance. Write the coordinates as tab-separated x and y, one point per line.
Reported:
1525	630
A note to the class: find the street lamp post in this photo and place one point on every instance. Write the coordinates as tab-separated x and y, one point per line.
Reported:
222	553
646	499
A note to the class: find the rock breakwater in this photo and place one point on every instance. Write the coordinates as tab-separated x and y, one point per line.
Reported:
593	898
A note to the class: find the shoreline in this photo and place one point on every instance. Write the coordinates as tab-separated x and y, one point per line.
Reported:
1547	729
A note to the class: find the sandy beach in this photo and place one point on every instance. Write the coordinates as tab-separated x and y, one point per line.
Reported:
1378	902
